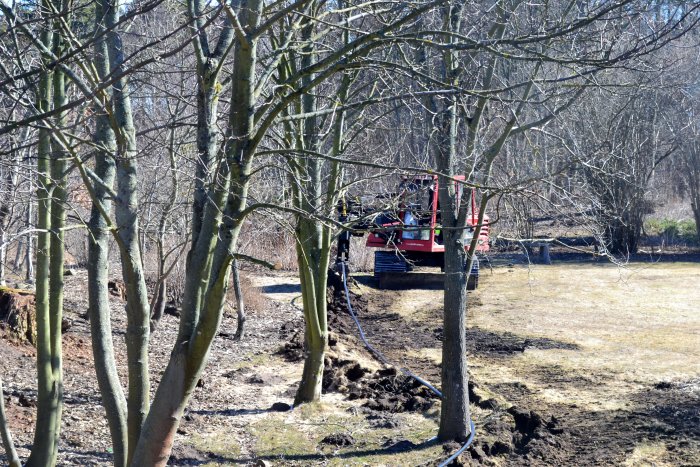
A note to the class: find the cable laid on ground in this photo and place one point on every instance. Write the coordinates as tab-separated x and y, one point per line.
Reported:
466	445
380	357
369	346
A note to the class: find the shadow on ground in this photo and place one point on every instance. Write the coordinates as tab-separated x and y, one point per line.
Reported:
281	288
395	448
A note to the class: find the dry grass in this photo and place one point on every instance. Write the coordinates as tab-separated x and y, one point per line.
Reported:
648	455
253	297
640	319
634	327
279	248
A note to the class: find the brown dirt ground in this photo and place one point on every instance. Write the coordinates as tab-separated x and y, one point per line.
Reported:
573	364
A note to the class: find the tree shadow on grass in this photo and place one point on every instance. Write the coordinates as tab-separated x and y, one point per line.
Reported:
396	448
231	412
480	341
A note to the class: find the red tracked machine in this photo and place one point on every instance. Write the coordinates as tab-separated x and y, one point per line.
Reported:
410	234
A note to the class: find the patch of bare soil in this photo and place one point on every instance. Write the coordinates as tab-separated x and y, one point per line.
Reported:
383	390
514	424
665	420
241	383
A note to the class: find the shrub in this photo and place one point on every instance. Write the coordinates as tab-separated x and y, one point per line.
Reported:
672	231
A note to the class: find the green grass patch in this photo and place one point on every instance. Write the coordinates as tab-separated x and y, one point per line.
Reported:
214	443
295	438
277	437
373	444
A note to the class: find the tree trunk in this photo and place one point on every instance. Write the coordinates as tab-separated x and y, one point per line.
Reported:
208	93
692	173
161	424
29	250
240	303
10	452
161	295
313	274
56	262
215	234
158	307
3	256
137	306
113	399
45	446
187	361
161	291
623	236
207	132
312	237
5	213
311	385
454	413
696	214
19	255
126	215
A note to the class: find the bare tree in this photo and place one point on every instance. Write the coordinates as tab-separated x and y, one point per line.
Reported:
691	164
500	91
626	146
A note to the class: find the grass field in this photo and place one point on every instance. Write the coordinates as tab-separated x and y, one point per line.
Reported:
635	333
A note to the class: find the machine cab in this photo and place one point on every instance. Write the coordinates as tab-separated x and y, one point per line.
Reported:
416	224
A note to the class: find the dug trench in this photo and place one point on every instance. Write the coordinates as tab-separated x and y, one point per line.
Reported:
505	430
514	424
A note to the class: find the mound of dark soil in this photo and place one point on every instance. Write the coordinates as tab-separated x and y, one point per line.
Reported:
386	390
338	440
523	436
339	318
293	332
293	349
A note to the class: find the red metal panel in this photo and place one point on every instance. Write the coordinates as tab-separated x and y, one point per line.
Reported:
429	246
